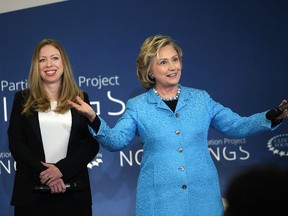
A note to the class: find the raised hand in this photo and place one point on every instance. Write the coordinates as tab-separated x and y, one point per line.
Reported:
284	113
83	108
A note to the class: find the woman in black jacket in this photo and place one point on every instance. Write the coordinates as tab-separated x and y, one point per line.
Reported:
49	140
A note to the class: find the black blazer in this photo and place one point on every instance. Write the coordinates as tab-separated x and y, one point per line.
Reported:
26	146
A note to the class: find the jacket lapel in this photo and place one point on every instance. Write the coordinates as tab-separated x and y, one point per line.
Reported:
34	123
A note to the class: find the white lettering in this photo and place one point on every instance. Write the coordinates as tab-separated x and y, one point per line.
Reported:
217	154
215	142
5	109
117	101
129	160
5	155
234	141
137	157
13	86
245	152
7	168
229	155
97	103
98	82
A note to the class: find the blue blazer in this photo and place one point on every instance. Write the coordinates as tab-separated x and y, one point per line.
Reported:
177	174
26	146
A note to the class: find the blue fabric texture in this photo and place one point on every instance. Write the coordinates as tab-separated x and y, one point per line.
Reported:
177	174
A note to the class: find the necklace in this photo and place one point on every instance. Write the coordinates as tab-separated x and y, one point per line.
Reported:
168	99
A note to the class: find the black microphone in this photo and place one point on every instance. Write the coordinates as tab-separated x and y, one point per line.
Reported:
276	112
75	186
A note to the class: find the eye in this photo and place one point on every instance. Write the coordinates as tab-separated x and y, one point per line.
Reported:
162	62
55	58
175	59
42	60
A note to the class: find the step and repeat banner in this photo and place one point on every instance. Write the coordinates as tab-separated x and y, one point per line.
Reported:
237	51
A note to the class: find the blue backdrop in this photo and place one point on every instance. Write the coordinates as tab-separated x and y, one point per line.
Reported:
236	50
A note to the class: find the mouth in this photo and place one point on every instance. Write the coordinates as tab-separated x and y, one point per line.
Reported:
50	72
172	75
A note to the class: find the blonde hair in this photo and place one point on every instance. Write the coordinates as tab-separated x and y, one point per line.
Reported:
149	49
37	98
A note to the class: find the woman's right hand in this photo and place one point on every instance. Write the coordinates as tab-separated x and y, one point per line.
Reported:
83	108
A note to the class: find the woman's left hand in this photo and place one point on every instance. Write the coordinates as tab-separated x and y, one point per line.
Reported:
51	174
284	113
57	186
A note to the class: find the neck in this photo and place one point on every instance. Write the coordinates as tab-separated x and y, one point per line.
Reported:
168	94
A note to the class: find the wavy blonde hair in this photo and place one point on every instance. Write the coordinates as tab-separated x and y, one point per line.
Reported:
37	96
149	49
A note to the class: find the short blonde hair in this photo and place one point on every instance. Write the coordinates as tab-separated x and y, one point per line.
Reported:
149	49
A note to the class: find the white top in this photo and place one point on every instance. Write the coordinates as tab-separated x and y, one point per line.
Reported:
55	131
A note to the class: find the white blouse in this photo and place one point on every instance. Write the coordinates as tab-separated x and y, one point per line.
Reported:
55	131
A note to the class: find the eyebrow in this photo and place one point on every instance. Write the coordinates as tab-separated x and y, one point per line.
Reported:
168	58
49	56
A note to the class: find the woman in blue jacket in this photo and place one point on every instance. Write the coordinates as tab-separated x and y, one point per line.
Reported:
177	176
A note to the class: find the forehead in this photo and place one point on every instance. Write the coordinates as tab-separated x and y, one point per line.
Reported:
167	51
48	50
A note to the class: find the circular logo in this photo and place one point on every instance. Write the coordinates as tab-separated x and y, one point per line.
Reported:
279	145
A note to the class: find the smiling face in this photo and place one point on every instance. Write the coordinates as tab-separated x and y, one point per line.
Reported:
50	65
166	68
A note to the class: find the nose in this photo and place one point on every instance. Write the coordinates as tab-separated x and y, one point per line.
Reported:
172	65
48	63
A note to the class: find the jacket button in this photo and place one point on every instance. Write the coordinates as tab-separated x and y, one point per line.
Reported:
177	132
177	115
181	168
184	187
180	150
